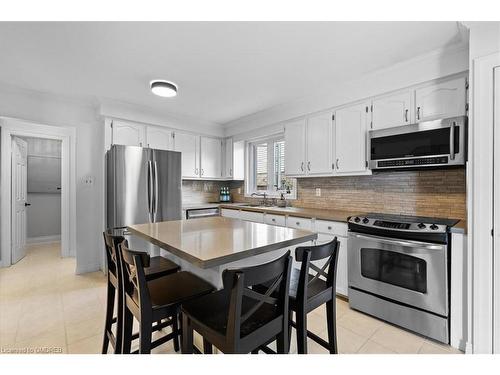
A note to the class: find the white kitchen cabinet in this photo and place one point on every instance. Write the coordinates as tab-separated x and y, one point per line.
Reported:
295	155
349	138
127	133
239	160
211	157
392	110
188	145
233	214
272	219
441	100
299	223
257	217
319	146
159	138
342	279
228	158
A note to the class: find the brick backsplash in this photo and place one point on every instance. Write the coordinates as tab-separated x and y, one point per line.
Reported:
437	193
194	192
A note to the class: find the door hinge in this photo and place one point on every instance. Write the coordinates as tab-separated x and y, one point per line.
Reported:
333	166
492	232
466	83
333	117
173	134
111	124
466	107
371	124
366	109
371	108
366	163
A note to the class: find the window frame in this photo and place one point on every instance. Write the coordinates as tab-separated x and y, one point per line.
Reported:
251	168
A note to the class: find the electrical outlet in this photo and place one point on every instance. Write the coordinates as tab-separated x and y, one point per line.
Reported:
318	192
239	190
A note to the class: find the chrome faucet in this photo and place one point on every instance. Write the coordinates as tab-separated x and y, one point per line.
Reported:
264	201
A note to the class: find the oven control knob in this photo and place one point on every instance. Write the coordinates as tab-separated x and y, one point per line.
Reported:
365	220
357	219
434	227
421	226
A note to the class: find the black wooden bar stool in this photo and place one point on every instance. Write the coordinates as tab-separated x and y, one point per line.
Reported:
159	267
309	290
154	300
237	319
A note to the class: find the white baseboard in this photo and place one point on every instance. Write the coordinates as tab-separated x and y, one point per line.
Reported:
86	268
43	239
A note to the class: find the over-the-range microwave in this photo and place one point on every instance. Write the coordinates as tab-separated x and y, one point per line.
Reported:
438	143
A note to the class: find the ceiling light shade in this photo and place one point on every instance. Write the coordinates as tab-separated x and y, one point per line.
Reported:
164	88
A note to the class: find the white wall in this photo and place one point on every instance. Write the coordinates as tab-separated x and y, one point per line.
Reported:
43	216
424	68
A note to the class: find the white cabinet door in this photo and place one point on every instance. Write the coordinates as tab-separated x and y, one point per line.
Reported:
295	154
239	160
228	158
127	133
158	138
233	214
256	217
188	145
319	138
272	219
350	139
391	110
440	100
211	157
341	261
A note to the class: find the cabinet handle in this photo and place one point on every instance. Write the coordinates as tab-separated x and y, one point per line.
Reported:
329	228
297	223
337	163
230	171
140	144
406	115
308	165
196	171
418	113
202	171
302	166
273	219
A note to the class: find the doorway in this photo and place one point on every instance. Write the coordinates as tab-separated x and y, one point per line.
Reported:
36	193
45	176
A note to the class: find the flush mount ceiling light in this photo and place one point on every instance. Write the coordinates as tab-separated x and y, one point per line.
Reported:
164	88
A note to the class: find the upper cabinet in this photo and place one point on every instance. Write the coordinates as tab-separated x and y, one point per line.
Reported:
295	154
188	145
227	171
441	100
391	110
350	139
318	139
238	160
159	138
211	157
127	133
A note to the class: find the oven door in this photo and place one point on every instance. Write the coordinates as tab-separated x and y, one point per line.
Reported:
409	272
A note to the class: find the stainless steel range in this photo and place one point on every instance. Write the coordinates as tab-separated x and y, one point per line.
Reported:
399	270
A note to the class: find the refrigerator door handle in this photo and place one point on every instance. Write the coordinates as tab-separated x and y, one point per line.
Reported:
156	191
150	190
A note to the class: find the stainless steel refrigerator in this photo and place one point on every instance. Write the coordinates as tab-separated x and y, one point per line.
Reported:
143	186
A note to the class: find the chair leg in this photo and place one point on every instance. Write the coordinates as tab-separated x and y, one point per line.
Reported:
119	323
187	335
331	316
110	305
207	347
255	351
301	322
175	329
282	340
128	320
145	335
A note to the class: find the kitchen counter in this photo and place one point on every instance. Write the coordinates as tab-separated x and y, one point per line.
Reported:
310	213
215	241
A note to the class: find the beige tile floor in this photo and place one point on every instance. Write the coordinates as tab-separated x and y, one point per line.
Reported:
45	306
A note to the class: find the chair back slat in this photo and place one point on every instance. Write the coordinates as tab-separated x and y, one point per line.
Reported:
327	273
239	283
134	278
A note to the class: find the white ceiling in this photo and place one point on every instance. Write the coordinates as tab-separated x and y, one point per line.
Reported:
224	70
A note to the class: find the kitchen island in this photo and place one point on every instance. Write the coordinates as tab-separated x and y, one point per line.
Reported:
207	246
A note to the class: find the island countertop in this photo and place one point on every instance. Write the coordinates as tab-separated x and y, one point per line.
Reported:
214	241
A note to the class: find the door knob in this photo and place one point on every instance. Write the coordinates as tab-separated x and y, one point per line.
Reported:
27	204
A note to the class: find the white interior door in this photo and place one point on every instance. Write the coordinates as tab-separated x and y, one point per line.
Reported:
496	213
19	196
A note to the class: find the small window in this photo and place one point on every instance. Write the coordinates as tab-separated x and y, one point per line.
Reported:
266	168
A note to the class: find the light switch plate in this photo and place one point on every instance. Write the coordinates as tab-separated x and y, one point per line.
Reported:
318	192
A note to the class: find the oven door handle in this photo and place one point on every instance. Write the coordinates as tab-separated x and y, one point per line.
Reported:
414	244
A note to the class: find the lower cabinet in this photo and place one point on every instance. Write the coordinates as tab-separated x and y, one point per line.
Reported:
233	214
257	217
341	280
